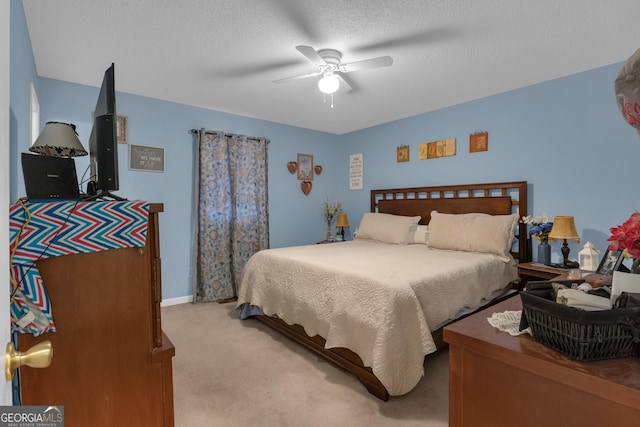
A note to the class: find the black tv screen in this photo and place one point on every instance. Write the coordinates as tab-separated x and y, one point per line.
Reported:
103	143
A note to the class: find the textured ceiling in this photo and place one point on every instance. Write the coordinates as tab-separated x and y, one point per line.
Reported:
224	55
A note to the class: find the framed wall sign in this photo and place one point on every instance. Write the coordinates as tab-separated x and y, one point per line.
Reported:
402	154
122	129
435	149
149	159
479	141
305	167
356	171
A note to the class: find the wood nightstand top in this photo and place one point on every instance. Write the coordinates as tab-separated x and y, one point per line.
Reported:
540	268
531	271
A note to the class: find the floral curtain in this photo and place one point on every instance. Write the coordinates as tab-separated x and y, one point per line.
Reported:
232	210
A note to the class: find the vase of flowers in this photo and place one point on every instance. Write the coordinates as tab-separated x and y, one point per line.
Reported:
330	211
540	229
626	237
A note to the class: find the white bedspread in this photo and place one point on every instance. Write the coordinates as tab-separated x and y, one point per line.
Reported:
378	300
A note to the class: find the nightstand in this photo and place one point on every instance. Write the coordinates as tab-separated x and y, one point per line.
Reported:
537	271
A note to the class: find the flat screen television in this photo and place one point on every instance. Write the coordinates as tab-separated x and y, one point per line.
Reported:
103	142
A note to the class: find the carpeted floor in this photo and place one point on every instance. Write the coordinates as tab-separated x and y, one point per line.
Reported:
231	372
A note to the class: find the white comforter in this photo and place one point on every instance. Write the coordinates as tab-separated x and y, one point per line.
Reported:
378	300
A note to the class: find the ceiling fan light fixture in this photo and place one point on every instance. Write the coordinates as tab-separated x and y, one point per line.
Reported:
329	84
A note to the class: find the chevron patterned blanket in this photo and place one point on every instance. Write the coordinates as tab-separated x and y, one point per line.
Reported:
47	229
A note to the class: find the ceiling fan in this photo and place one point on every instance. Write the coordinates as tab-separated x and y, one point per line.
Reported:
330	67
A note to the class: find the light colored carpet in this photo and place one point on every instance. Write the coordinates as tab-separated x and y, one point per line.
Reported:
239	372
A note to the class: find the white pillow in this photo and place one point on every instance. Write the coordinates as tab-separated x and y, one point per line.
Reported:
419	235
473	232
386	228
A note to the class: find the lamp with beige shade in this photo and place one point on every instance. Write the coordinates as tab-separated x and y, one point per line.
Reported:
58	139
342	222
564	228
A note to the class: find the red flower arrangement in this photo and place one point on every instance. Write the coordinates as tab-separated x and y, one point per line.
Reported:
627	238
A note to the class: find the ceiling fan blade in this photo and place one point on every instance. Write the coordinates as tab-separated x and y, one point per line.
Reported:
312	55
298	14
431	36
302	76
382	61
344	82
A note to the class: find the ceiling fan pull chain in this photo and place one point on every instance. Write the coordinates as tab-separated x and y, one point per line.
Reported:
331	100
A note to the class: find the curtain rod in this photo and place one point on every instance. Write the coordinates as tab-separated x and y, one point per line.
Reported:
227	134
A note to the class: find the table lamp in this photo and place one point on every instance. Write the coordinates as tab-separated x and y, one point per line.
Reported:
565	229
342	222
58	139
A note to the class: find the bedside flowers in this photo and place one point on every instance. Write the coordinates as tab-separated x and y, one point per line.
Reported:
331	210
540	226
627	237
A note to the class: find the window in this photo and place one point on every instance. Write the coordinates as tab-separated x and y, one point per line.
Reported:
35	114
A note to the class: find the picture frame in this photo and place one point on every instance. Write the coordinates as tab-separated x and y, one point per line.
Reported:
402	154
479	142
122	129
436	149
144	158
305	167
356	171
423	151
432	150
450	147
610	262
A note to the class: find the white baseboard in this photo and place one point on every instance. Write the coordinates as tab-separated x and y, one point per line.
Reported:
176	301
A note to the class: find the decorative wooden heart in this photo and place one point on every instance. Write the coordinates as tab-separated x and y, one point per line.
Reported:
318	169
292	166
306	187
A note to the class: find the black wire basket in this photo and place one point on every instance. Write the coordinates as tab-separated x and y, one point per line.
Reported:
582	335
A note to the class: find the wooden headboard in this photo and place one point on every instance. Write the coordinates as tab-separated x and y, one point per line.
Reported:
501	198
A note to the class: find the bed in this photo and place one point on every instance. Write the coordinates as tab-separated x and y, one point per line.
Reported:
376	306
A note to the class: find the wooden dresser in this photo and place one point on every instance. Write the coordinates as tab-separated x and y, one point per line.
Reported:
112	364
499	380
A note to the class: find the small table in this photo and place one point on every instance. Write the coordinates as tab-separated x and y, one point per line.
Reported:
531	271
499	380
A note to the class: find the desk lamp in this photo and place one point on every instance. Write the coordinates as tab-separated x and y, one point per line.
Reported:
342	222
565	229
58	139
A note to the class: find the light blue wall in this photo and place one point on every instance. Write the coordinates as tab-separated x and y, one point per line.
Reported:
23	73
565	137
168	125
295	218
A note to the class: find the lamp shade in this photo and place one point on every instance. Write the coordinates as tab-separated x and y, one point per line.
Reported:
58	139
343	221
329	84
564	228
